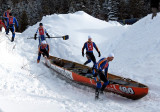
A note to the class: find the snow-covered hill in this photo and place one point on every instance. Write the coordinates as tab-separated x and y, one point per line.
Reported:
30	87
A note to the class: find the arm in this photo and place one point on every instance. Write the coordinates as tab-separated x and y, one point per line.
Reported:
39	49
94	45
84	46
46	33
106	72
16	21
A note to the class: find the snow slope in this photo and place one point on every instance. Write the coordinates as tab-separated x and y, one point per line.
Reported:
30	87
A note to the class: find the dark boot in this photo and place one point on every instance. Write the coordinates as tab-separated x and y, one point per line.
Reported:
12	39
97	94
102	89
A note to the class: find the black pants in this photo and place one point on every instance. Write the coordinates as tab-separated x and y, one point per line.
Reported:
102	77
44	53
90	57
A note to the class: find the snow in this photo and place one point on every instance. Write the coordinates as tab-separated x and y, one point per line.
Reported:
26	86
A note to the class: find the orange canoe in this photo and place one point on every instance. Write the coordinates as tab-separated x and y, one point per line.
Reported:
83	74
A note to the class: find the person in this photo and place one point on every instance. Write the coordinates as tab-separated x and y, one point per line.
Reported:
2	24
42	31
6	16
102	64
11	26
154	6
89	45
44	50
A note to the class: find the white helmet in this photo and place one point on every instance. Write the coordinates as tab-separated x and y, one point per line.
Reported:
89	37
111	55
43	42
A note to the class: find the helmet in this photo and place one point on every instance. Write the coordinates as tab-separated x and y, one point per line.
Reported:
89	37
40	24
111	55
43	42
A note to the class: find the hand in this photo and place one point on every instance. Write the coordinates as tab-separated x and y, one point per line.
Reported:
48	35
99	54
83	54
35	36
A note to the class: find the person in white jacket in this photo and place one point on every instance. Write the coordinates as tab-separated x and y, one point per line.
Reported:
42	31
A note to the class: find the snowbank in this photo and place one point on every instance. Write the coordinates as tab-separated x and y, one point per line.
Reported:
28	86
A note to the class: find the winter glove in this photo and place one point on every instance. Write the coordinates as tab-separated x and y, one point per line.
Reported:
83	54
99	54
35	36
48	35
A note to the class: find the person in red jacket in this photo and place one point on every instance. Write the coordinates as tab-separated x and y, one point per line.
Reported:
89	45
2	25
6	16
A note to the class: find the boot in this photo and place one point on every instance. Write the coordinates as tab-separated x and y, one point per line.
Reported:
12	39
97	94
38	61
102	89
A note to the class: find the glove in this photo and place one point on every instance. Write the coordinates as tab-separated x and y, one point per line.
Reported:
83	54
48	35
99	54
35	36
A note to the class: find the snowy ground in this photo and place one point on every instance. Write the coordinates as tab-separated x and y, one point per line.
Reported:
26	86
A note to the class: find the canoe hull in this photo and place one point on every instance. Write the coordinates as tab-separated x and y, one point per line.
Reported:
129	89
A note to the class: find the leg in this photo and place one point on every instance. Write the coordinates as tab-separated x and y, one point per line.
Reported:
88	61
93	59
42	38
7	31
39	57
104	79
97	90
13	33
88	57
98	86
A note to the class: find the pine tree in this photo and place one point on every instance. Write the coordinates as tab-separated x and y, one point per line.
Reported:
113	9
96	8
23	21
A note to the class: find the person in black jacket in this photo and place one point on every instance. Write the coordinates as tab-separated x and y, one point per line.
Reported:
154	6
